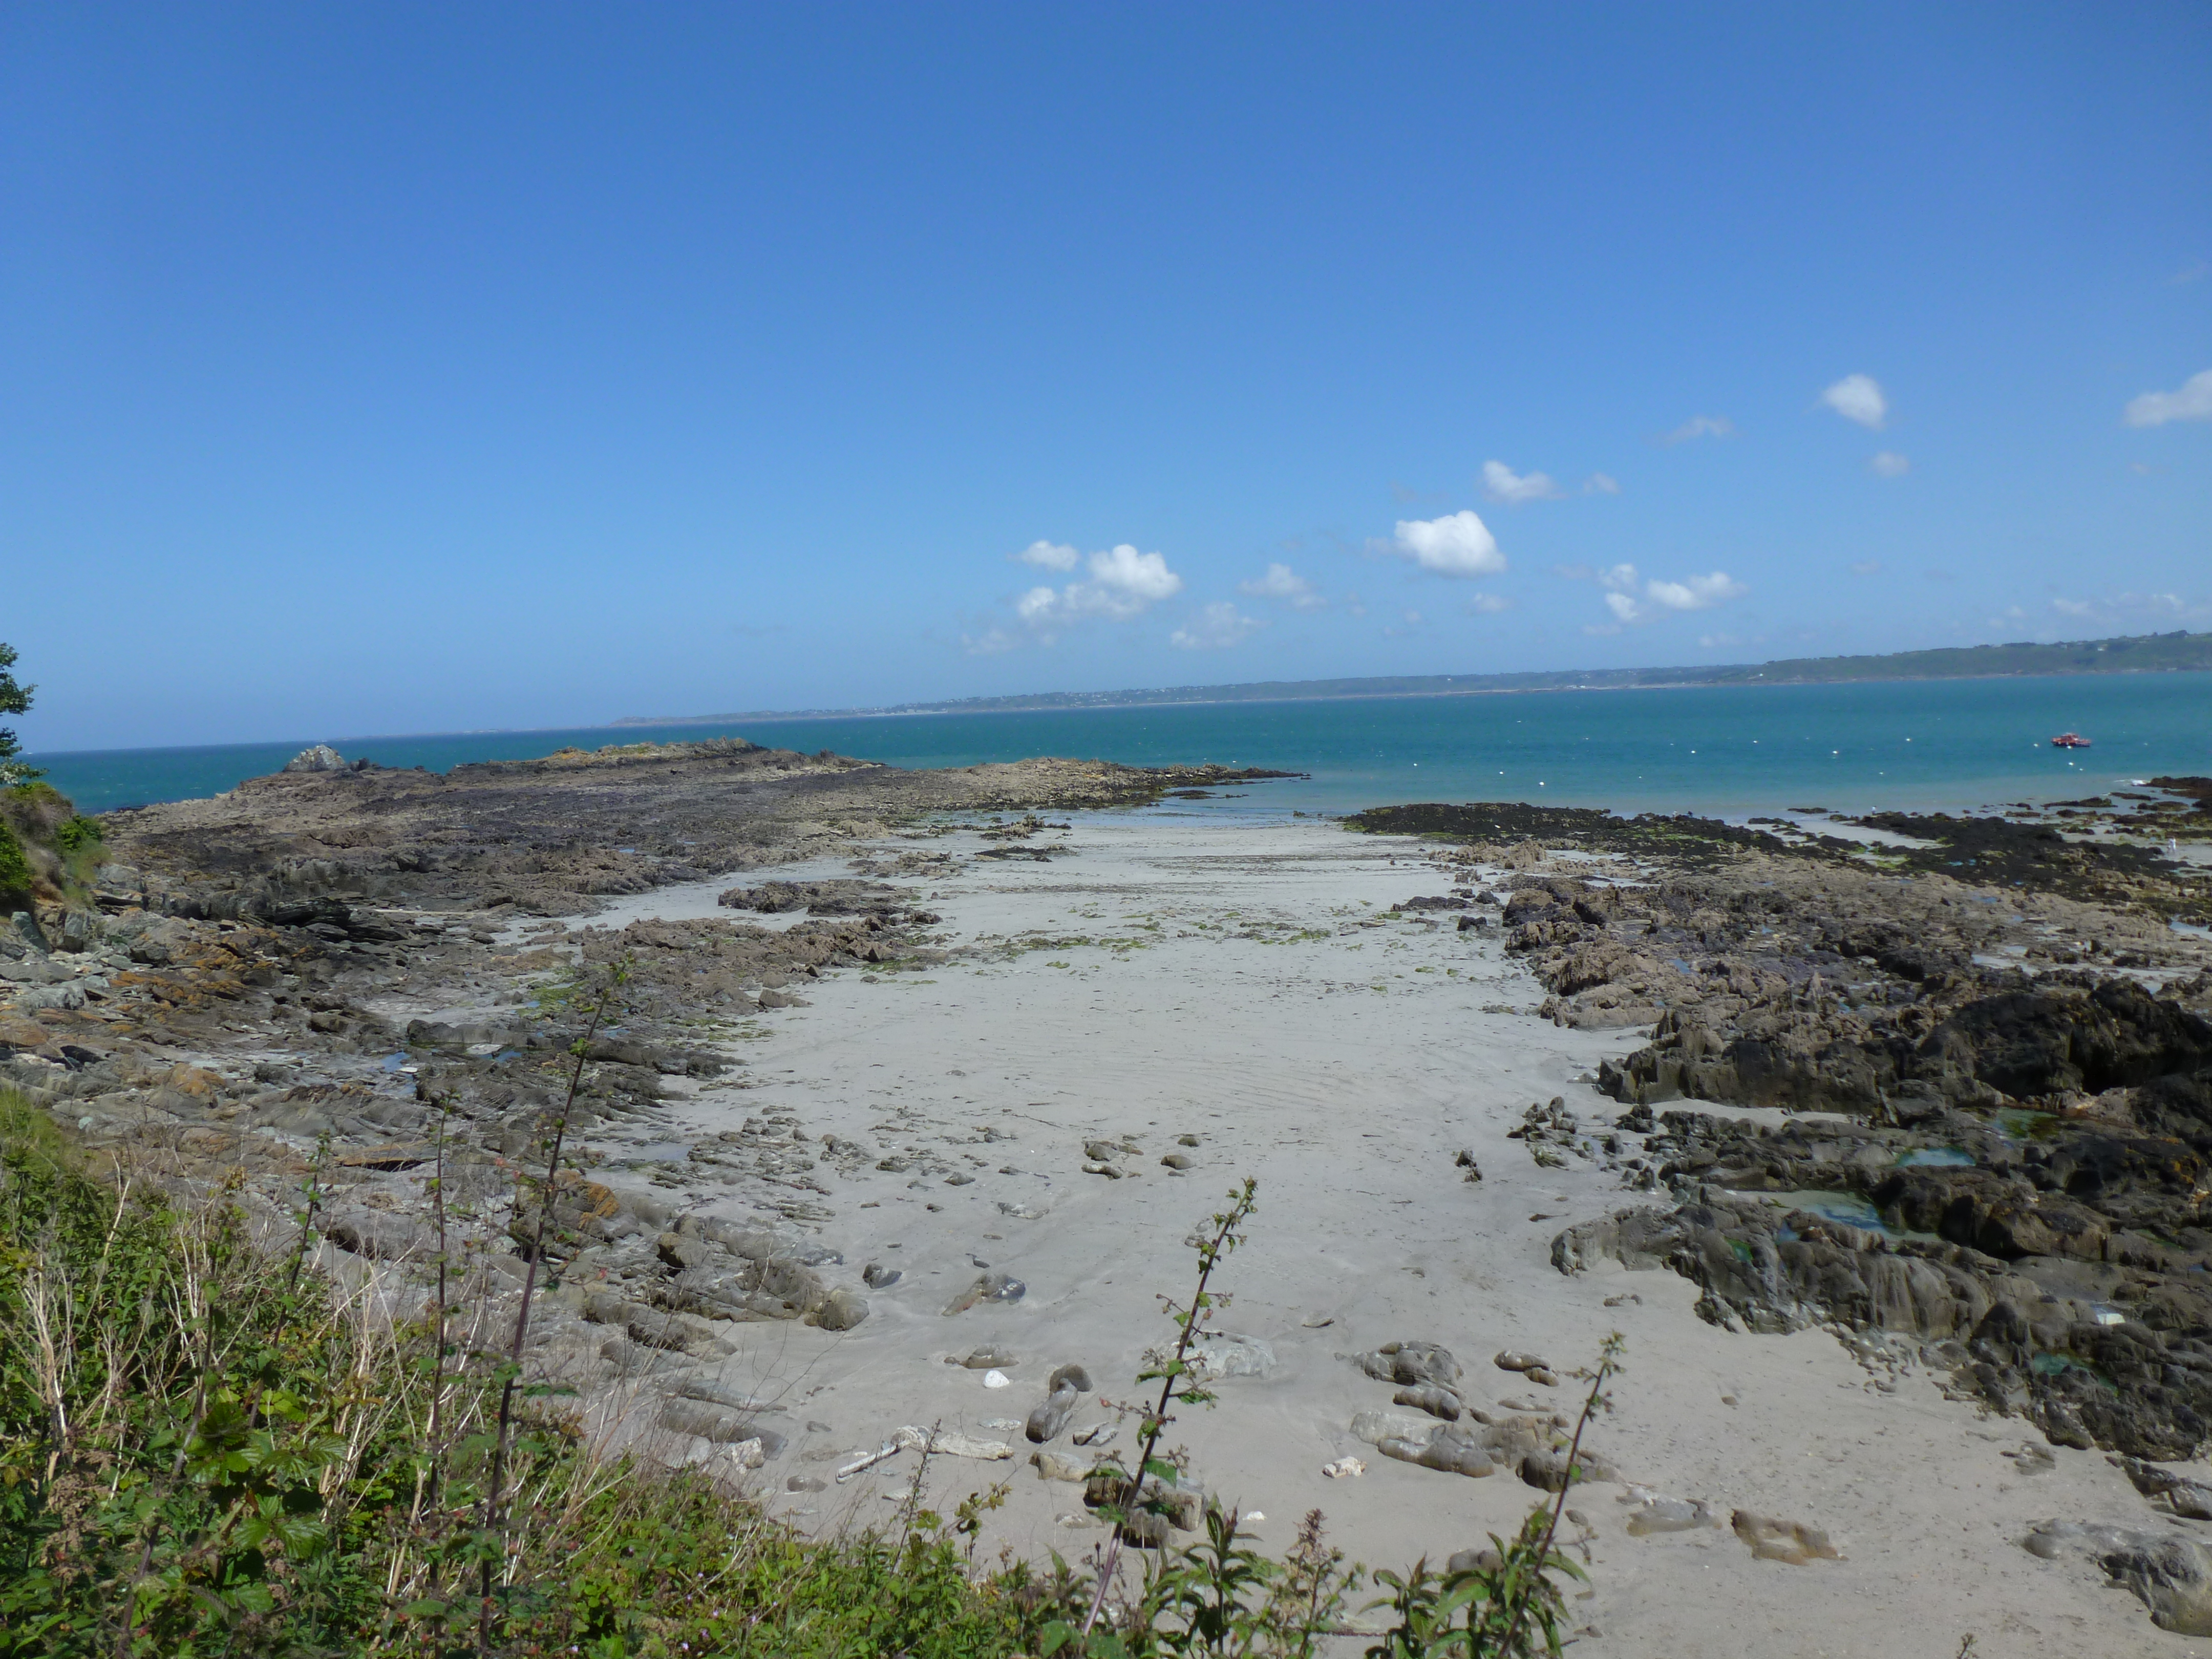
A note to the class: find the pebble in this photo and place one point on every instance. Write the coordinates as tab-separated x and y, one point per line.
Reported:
944	1445
1051	1417
1775	1539
991	1287
1654	1514
997	1380
1345	1468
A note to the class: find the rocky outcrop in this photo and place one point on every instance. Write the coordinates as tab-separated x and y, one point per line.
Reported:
2095	1351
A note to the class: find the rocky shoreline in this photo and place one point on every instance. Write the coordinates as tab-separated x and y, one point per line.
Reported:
331	978
1996	1053
1964	1124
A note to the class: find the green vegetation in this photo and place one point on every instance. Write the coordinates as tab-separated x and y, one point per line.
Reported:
44	842
14	699
79	834
47	848
14	867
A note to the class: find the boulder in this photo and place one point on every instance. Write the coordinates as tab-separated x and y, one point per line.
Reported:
1548	1469
840	1311
2172	1577
1410	1363
381	1236
1447	1448
718	1425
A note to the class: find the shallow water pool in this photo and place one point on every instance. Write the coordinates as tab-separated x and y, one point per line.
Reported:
1935	1157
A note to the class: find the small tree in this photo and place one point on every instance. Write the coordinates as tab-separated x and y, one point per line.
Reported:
14	699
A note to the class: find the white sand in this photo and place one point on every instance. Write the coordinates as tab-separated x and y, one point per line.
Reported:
1344	1071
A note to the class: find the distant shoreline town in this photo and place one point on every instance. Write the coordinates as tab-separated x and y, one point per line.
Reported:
2140	653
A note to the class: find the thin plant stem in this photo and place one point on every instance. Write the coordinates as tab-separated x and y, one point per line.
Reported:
438	1357
1608	1361
1156	1420
494	1517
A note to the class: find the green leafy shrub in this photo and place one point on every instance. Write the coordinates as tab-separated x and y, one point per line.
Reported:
78	834
14	699
14	867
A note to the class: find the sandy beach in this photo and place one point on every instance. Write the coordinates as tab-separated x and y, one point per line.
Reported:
1243	983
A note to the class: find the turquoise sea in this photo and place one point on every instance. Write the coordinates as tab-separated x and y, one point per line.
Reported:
1723	750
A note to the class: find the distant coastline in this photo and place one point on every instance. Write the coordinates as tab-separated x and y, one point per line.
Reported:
2138	653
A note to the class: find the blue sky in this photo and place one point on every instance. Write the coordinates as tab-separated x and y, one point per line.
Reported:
388	368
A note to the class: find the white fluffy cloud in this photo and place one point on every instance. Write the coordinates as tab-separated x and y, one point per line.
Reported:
1124	583
1502	484
1049	556
2192	403
1889	464
1457	544
1216	626
1142	578
1858	397
1701	426
1631	598
1281	582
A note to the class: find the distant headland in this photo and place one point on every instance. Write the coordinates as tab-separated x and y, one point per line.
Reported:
2138	653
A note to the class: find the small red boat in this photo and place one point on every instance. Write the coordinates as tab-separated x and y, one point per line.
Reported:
2069	740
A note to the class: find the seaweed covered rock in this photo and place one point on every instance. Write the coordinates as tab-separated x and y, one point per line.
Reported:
2036	1334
